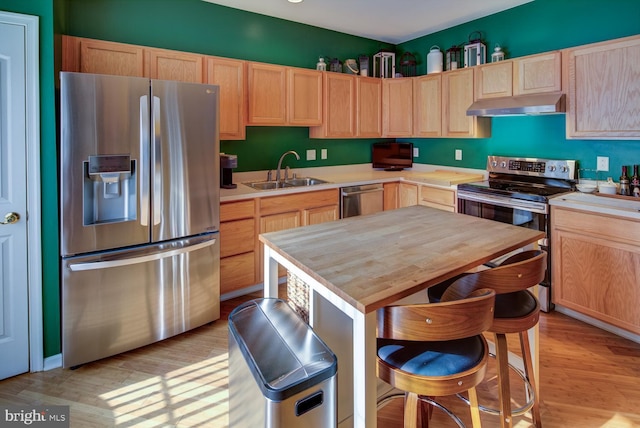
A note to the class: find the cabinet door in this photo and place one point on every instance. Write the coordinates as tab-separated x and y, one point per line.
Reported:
427	106
274	223
339	107
174	65
494	80
537	73
267	94
457	96
596	266
604	90
229	75
397	107
305	97
407	195
369	107
390	201
97	56
320	215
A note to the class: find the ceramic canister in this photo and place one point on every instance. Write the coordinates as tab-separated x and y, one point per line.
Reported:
434	60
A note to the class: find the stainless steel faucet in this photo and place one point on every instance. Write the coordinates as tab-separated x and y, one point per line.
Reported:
290	152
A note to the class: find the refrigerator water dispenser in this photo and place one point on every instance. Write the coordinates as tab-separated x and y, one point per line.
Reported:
109	189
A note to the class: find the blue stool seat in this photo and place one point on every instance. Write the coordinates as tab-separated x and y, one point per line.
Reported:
432	358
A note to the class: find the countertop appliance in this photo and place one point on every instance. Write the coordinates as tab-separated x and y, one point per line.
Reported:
361	200
517	192
139	212
392	156
227	164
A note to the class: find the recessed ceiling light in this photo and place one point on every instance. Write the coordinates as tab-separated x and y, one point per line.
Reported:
295	1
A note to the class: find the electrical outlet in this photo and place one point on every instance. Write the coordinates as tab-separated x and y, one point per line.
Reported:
323	154
602	163
416	152
311	154
458	154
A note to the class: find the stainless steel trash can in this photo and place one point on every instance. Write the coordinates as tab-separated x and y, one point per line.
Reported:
281	374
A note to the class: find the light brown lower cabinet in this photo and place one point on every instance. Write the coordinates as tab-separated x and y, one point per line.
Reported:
299	209
238	241
596	266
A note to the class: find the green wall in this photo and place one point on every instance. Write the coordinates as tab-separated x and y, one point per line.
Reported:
536	27
48	152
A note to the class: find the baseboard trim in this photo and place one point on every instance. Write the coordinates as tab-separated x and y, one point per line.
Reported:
52	362
597	323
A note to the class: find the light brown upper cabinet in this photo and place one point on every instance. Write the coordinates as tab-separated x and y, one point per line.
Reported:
267	87
494	80
427	105
229	75
175	65
457	96
102	57
305	97
604	90
339	107
537	73
369	107
283	96
397	107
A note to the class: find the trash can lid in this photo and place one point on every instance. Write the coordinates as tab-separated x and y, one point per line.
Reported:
283	352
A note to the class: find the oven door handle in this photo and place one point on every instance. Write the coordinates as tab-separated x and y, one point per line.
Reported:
536	207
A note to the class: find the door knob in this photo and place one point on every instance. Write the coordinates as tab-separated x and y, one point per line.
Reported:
10	218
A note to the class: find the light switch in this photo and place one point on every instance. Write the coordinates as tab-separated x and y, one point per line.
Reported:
458	154
311	154
416	152
323	154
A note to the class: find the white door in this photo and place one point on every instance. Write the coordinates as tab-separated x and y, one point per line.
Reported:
14	308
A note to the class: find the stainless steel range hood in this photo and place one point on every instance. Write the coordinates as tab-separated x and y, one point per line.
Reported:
519	105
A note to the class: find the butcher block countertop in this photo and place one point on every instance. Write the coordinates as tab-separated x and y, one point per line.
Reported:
374	260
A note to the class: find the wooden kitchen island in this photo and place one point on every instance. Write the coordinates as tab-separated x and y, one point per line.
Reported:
357	265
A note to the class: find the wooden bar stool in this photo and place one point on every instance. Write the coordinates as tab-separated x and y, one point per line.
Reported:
435	349
516	311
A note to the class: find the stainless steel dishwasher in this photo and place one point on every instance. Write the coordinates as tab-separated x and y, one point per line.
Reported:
361	200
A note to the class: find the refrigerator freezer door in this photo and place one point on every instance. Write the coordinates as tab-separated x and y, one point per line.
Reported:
184	159
102	175
121	300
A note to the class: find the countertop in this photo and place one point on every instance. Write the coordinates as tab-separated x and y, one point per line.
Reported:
593	202
353	175
371	261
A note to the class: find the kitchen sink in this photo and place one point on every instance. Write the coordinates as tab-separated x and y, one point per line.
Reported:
292	182
304	181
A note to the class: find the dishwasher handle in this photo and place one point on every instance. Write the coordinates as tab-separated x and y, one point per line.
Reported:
358	190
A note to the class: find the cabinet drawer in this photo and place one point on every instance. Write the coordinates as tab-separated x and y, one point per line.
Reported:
237	210
437	196
237	237
237	272
621	230
298	201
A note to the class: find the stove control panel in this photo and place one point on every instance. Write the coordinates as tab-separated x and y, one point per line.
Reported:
550	168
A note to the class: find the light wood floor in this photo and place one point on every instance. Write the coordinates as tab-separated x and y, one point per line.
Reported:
589	378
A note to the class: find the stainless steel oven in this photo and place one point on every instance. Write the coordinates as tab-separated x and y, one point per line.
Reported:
517	192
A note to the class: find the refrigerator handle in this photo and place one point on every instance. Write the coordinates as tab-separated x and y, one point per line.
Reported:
77	267
144	160
157	162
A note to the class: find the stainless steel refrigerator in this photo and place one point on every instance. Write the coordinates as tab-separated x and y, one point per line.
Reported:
139	212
